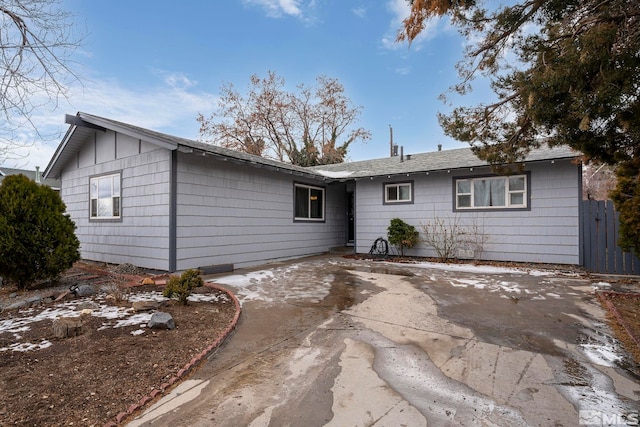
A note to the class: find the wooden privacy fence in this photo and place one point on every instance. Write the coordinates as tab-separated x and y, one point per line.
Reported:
600	250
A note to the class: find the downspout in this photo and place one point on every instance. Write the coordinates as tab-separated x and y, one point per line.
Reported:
173	210
581	218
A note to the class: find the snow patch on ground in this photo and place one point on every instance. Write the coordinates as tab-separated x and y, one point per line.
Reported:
122	316
263	285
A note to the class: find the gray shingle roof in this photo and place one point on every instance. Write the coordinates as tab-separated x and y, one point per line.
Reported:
76	135
31	174
429	162
415	163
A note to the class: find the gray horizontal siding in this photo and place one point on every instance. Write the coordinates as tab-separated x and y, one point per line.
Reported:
227	213
547	233
142	236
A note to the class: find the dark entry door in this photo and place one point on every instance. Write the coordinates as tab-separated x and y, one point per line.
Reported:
351	218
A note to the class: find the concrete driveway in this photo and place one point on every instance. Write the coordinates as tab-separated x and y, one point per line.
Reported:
340	342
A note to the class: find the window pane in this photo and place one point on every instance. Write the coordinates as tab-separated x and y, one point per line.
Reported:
116	185
316	203
302	202
464	201
481	194
104	188
94	207
497	192
516	183
517	198
464	187
392	193
116	206
94	188
405	192
105	207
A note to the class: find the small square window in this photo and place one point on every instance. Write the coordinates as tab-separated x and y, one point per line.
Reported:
401	192
309	203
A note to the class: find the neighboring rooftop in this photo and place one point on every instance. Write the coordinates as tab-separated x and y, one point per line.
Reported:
34	175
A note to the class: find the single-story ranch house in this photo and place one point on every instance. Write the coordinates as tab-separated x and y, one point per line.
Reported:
167	203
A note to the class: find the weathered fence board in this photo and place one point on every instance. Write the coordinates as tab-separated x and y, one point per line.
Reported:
600	232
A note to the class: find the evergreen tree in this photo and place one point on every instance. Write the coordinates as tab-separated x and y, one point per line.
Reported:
563	71
37	238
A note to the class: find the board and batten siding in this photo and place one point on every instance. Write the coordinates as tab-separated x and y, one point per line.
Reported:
547	233
230	213
141	236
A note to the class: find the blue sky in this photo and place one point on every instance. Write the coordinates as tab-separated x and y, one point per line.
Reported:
158	63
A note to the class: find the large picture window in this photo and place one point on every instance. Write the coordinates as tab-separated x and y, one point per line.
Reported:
398	192
105	197
309	203
492	192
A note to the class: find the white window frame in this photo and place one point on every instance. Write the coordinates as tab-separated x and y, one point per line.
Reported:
309	199
397	186
113	181
508	192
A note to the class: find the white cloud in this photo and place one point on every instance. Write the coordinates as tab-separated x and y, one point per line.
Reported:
277	8
170	106
360	11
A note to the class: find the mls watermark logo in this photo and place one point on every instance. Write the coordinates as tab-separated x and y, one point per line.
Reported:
599	418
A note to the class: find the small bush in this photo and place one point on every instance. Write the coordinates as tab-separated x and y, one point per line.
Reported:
37	238
402	235
180	287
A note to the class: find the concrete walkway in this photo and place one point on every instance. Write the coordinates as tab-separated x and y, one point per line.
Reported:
339	342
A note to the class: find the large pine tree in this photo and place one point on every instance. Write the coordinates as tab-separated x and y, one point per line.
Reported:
563	71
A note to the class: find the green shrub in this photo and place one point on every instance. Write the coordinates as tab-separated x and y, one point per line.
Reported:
37	238
402	235
180	287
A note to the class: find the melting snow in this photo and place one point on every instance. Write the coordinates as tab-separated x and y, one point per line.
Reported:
481	269
124	316
335	174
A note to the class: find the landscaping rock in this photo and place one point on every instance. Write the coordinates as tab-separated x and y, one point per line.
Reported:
88	305
65	327
161	320
145	305
148	281
36	300
16	305
83	291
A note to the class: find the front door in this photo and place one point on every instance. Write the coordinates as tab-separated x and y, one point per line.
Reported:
351	218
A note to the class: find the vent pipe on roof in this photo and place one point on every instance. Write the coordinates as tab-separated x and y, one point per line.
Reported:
391	141
38	178
402	154
439	147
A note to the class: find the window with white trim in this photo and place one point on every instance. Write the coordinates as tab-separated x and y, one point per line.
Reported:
105	197
309	203
492	192
398	192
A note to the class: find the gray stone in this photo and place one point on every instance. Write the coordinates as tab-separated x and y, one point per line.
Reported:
84	291
161	320
17	305
36	300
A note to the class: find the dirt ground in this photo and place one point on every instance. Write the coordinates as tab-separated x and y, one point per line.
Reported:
87	380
